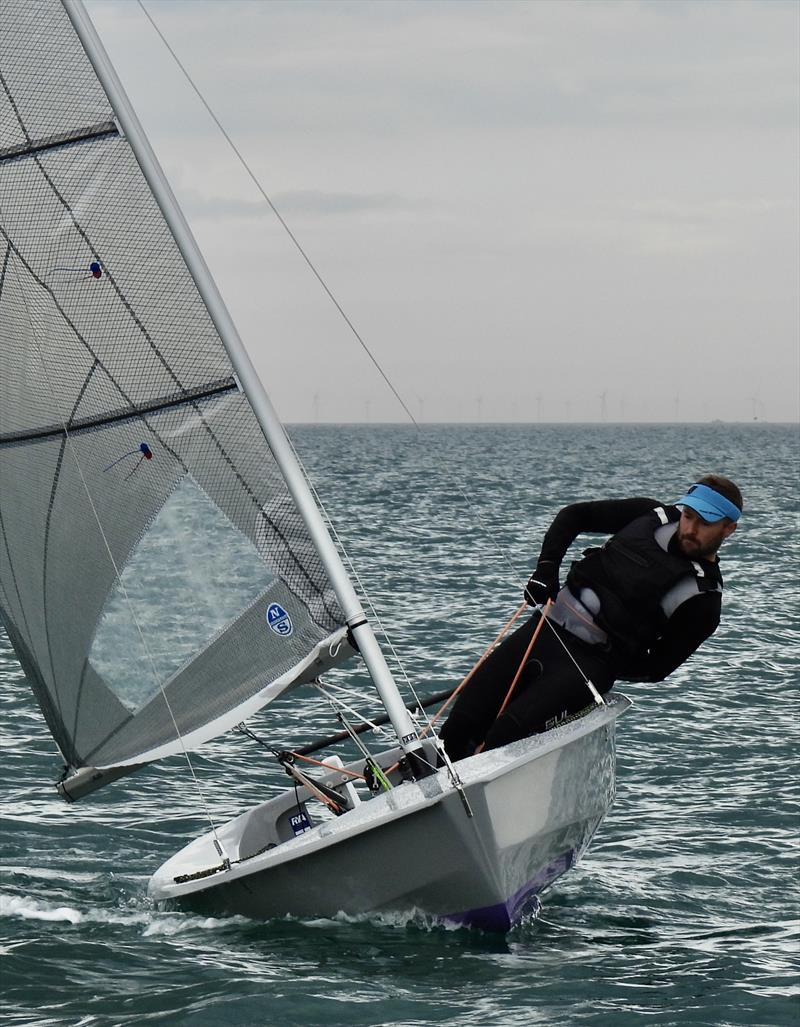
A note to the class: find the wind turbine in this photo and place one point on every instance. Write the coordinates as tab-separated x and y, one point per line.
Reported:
757	405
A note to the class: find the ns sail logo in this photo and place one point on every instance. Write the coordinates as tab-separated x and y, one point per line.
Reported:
279	620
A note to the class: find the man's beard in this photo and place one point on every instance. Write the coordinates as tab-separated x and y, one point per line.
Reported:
695	550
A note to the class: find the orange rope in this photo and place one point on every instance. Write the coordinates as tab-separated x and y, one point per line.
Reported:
521	667
486	652
308	784
443	707
455	692
578	614
327	766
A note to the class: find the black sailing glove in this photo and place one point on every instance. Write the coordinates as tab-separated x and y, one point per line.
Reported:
543	584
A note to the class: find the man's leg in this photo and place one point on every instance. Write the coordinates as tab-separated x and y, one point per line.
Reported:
476	707
560	690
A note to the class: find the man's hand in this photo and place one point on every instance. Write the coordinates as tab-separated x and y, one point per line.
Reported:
543	584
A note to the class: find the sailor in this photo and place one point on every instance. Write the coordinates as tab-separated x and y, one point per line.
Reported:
634	609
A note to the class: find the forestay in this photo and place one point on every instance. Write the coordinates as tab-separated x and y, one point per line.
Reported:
120	417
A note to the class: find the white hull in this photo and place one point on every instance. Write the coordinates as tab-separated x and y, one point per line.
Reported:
535	805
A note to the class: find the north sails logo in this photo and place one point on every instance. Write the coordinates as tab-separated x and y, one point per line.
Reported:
279	620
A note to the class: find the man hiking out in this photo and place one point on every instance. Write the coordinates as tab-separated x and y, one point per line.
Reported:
635	609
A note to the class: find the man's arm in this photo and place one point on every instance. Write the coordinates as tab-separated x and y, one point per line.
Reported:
605	516
690	625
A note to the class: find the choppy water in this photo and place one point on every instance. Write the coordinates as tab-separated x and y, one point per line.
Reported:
683	912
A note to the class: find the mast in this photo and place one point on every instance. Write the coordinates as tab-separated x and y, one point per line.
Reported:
251	384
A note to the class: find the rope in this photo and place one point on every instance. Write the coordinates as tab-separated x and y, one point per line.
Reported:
278	215
328	766
315	789
338	705
468	677
599	700
521	667
245	730
372	763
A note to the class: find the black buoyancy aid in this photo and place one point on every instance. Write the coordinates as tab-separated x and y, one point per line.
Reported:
631	574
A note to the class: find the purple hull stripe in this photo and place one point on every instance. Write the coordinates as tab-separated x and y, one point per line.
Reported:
504	915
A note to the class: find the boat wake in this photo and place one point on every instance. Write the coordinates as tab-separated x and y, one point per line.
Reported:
153	922
31	909
412	918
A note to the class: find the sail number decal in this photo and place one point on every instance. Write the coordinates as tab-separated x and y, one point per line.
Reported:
279	620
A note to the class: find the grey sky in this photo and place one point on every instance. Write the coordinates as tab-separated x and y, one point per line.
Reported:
523	207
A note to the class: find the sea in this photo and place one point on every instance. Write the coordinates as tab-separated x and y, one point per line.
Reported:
682	913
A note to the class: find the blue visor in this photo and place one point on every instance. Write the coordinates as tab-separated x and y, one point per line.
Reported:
709	504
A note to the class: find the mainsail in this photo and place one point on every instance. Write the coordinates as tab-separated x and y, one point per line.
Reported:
118	402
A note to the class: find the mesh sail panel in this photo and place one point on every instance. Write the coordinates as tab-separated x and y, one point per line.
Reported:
117	399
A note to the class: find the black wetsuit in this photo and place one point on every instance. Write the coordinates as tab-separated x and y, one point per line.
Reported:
551	686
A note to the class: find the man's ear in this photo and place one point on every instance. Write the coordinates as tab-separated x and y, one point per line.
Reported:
729	529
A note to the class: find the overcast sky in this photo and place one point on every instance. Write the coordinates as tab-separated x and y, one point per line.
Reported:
529	210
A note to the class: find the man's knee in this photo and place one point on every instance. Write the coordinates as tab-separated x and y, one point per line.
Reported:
507	728
460	735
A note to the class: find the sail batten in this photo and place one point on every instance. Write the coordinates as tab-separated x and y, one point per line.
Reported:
77	425
33	147
130	459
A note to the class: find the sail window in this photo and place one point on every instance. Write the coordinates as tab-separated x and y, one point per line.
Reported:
191	574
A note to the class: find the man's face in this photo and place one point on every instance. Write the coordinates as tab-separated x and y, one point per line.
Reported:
697	538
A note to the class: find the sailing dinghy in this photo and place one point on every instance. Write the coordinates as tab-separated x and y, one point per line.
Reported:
127	398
